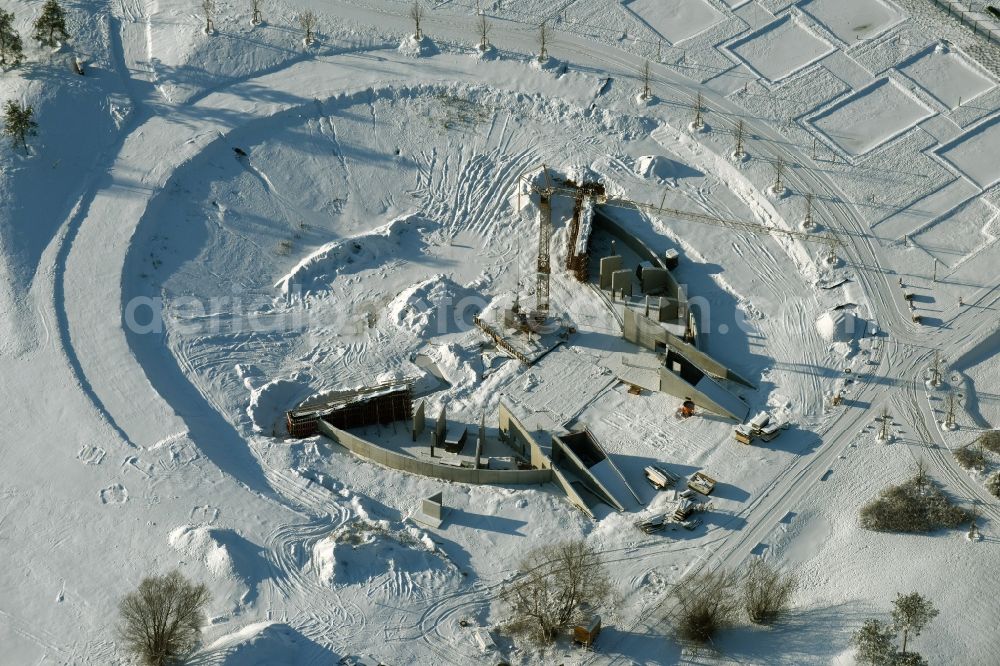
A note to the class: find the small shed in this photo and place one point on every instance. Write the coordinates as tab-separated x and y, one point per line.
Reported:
586	634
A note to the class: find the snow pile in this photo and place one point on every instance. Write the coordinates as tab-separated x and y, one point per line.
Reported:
415	48
655	167
198	542
403	235
459	366
582	173
268	403
262	644
489	53
436	306
839	326
363	551
548	64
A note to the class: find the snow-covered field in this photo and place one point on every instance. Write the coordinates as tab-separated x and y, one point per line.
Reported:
210	228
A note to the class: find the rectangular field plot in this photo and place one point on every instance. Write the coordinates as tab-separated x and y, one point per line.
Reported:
870	117
947	77
676	20
962	233
977	153
853	20
780	48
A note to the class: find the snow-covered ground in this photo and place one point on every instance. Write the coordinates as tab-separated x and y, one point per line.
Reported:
211	228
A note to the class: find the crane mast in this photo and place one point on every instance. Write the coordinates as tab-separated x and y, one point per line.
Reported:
544	270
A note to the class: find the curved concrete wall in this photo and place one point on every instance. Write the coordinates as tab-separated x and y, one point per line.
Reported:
406	463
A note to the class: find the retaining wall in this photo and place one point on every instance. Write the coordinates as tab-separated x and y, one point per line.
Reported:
406	463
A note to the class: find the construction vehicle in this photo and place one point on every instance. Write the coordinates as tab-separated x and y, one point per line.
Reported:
683	510
654	523
691	524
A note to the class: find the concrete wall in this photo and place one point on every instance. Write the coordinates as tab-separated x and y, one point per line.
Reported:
480	441
654	280
515	431
603	219
621	282
646	333
441	428
574	497
418	421
608	266
676	386
406	463
566	457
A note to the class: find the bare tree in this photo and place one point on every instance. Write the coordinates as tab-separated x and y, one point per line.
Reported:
646	94
256	17
555	584
779	171
484	32
307	21
208	10
920	477
766	591
910	614
699	106
543	41
161	621
417	14
707	603
739	152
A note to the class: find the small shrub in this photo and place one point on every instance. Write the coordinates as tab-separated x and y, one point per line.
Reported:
766	592
971	456
993	483
990	440
706	603
915	506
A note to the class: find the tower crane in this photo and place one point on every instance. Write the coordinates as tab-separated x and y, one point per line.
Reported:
544	269
545	194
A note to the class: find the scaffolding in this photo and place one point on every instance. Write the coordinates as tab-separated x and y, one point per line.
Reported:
577	252
381	403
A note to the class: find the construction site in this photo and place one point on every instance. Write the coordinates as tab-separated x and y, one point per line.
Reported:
651	342
359	307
